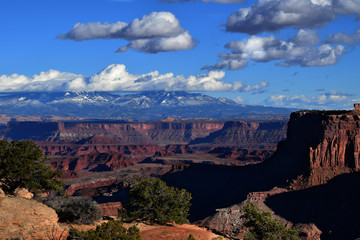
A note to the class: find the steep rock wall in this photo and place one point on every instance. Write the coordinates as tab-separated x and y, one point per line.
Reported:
254	134
155	133
319	146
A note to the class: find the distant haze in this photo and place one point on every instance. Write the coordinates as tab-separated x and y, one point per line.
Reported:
150	105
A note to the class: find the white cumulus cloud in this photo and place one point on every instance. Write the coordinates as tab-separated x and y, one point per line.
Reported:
273	15
51	80
344	38
306	37
304	49
161	44
116	78
153	33
327	100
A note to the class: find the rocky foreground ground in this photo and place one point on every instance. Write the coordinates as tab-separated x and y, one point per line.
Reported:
22	217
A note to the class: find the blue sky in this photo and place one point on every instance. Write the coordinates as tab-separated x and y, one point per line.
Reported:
289	53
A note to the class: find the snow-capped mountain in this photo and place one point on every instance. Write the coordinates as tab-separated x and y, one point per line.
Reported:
148	105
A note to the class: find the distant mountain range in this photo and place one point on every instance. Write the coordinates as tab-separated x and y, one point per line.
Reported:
150	105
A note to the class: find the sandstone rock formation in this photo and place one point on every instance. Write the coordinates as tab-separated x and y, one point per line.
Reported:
27	219
308	231
319	146
24	193
228	221
262	134
139	133
253	135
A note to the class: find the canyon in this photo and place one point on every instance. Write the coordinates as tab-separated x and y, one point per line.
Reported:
81	147
305	170
99	158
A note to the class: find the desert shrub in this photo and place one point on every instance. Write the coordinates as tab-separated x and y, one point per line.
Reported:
22	164
80	210
191	237
150	199
112	230
261	225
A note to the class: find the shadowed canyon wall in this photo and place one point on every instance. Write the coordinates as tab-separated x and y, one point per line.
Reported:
150	133
312	167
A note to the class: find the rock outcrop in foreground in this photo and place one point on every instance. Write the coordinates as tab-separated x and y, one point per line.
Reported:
27	219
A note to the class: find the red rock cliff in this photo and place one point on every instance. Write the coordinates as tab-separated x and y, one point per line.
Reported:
253	134
103	146
319	146
151	133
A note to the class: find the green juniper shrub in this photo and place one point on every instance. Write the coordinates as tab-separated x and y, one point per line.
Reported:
150	199
111	230
80	210
22	164
261	225
191	237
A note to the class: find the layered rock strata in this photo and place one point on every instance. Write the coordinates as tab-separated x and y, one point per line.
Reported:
258	134
131	133
320	145
77	147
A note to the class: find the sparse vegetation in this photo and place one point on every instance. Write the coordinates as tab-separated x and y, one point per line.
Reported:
191	237
112	230
150	199
80	210
262	226
22	164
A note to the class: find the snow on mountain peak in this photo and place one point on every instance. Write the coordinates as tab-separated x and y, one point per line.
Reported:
137	106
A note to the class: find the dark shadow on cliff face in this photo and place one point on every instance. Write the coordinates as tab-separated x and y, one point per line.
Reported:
334	208
214	187
30	130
